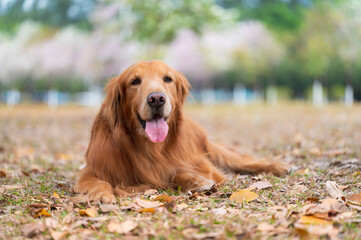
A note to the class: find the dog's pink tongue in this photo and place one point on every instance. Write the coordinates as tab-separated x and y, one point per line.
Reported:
156	129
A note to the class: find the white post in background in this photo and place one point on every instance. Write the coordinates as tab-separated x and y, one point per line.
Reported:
91	98
239	95
317	94
12	98
53	99
271	95
348	96
95	97
208	96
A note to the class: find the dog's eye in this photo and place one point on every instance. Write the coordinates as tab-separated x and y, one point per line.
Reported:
167	79
136	81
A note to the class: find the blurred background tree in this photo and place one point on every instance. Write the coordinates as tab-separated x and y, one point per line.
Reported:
71	45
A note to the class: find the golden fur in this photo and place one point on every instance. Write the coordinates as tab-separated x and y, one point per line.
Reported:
121	159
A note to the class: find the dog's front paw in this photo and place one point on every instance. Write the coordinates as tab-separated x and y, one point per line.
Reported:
103	196
279	168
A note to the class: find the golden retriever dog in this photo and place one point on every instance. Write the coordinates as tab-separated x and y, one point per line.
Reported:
141	139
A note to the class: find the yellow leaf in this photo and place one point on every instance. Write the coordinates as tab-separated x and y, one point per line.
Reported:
243	195
55	195
43	212
164	198
147	210
64	156
314	221
90	212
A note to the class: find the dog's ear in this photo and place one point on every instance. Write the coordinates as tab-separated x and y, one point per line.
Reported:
183	86
112	103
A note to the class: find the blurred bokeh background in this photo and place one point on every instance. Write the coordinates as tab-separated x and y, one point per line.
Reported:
240	51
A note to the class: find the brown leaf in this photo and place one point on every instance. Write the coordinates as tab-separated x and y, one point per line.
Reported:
299	189
164	198
109	208
334	191
31	229
2	174
38	205
243	195
147	204
58	235
355	199
265	227
315	151
312	199
12	187
2	190
328	209
42	213
334	153
261	185
90	212
123	227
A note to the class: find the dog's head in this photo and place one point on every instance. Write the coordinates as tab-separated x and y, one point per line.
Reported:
146	97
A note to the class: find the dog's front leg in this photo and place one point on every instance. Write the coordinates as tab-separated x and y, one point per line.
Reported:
96	189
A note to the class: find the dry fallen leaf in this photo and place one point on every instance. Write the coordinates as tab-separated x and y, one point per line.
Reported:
12	187
109	208
304	230
2	190
315	151
42	213
2	174
56	195
123	227
265	227
58	235
355	199
147	204
164	198
299	189
147	210
31	229
334	191
182	206
90	212
64	156
219	211
334	153
243	195
261	185
150	192
314	220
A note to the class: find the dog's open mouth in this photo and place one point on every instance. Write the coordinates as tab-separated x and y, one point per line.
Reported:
155	128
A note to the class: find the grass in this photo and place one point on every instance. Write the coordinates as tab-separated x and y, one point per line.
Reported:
43	149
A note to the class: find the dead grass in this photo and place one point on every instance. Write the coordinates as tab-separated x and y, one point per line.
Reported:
42	150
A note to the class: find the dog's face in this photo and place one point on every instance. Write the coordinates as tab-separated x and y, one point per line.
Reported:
145	97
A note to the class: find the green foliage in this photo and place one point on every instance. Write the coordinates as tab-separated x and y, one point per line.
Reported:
158	21
57	13
278	15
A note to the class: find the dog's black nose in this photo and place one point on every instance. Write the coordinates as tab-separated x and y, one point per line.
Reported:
156	99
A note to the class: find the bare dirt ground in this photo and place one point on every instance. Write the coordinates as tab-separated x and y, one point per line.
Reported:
41	151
